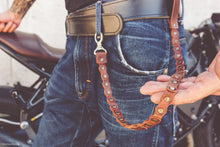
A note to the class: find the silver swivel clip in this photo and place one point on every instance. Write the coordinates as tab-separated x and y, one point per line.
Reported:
98	40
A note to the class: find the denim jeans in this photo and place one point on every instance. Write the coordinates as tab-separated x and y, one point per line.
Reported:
75	106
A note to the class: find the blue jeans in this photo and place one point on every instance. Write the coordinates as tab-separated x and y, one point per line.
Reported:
75	106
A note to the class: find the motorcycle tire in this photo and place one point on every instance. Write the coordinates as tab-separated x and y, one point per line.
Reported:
9	109
208	134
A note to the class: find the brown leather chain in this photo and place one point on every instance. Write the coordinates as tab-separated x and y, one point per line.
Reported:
168	95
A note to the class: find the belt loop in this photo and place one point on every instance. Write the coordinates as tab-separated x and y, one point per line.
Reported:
99	36
98	18
181	9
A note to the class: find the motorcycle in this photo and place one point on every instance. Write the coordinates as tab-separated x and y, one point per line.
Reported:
21	107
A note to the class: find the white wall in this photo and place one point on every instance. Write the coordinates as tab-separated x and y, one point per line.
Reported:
46	18
198	10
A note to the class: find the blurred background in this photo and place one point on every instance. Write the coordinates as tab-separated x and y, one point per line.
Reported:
46	19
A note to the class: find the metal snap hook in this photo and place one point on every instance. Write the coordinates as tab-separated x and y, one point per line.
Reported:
100	37
99	43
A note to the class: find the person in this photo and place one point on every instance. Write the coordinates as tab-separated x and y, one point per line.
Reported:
75	105
191	89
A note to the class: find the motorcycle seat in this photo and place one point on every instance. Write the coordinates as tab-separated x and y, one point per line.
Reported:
31	45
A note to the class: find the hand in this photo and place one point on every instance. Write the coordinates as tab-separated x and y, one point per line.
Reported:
9	21
191	89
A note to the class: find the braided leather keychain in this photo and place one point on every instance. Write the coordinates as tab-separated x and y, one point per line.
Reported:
171	90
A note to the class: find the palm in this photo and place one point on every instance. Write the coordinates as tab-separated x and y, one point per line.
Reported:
191	89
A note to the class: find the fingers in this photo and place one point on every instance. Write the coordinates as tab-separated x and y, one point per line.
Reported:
166	78
189	79
13	27
7	27
155	98
178	99
182	97
163	78
2	25
185	85
152	87
190	89
187	96
188	92
9	22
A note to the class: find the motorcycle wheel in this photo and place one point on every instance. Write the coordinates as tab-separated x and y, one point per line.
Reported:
208	134
8	110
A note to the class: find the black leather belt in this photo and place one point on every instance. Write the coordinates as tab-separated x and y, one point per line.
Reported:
82	21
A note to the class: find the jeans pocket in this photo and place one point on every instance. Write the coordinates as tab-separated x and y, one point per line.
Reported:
142	47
